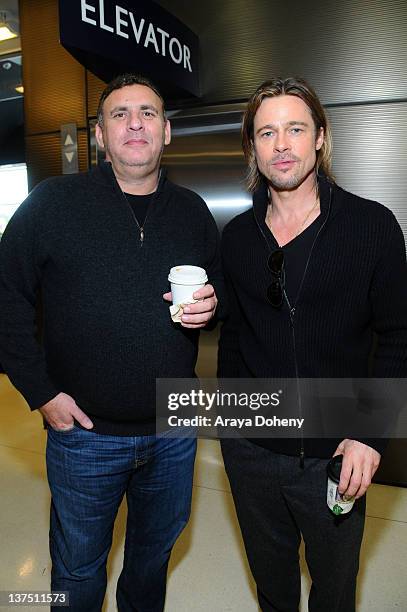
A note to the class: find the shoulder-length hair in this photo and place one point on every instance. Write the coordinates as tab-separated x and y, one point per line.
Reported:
291	86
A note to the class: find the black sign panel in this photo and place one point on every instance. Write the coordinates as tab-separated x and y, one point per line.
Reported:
110	37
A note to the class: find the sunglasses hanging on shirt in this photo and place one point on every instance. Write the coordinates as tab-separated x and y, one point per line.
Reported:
275	291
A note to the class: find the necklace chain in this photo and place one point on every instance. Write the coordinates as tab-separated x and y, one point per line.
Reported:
302	224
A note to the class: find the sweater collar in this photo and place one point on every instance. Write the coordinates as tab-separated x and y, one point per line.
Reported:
103	173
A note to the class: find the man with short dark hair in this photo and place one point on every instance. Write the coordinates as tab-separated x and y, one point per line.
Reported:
311	271
99	247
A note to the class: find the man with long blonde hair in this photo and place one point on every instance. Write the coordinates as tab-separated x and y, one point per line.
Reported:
312	271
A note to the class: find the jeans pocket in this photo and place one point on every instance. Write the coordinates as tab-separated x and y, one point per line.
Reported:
62	431
183	431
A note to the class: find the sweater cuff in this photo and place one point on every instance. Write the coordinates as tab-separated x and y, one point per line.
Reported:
378	444
36	397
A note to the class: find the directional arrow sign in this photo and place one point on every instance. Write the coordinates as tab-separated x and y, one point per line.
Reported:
69	156
68	141
69	146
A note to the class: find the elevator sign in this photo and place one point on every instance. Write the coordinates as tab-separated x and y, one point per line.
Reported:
110	37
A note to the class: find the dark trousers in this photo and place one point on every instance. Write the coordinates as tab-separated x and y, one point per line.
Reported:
89	474
276	502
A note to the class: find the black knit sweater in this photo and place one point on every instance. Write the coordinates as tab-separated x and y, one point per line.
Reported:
107	332
355	285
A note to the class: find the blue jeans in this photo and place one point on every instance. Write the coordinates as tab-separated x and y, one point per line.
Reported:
89	474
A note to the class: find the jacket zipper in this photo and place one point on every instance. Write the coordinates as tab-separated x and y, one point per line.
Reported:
297	379
292	310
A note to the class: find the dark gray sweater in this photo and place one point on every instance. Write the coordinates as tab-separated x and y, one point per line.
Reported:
107	332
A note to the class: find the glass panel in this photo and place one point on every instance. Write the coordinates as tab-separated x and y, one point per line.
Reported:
13	190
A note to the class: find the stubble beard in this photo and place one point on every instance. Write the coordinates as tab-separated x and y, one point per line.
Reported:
134	164
287	183
143	163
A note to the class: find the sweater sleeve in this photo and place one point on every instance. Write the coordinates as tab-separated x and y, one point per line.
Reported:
388	296
389	306
21	355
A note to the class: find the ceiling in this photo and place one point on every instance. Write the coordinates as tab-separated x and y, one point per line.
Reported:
10	54
11	102
9	5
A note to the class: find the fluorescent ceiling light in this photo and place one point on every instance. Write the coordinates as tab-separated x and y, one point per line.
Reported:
8	26
6	33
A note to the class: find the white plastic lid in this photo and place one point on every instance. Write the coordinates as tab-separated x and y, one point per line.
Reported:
187	275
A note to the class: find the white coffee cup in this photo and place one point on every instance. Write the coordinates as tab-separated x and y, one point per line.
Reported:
185	280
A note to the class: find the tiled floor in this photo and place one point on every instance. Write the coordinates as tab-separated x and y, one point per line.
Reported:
208	569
